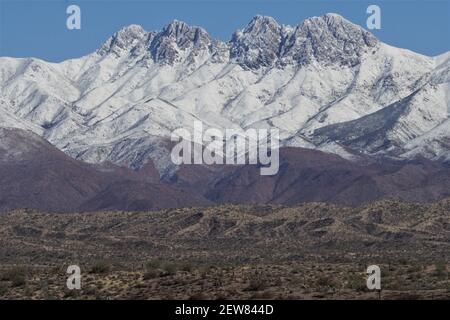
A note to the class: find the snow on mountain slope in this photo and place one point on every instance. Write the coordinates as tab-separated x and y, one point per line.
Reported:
324	83
389	129
434	144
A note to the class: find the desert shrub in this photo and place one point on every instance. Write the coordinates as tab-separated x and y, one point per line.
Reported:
153	264
263	295
169	269
159	268
151	274
198	296
90	290
204	271
355	282
28	292
325	282
440	270
4	289
16	275
394	284
256	282
414	269
100	267
297	270
186	267
71	294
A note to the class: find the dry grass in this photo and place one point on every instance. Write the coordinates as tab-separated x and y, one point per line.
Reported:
313	250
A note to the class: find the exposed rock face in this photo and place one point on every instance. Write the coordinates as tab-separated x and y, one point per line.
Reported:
259	44
176	38
123	41
328	39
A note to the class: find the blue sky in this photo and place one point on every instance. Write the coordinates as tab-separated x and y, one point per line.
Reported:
38	28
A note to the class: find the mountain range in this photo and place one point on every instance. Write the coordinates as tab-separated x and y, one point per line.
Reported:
358	119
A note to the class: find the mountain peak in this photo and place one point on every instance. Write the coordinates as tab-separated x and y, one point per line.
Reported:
177	36
176	26
177	29
132	29
329	38
123	40
258	22
331	20
334	16
258	44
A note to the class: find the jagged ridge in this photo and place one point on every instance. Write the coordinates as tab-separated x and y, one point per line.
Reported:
121	102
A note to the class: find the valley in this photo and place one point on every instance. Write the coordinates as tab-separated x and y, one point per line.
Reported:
313	250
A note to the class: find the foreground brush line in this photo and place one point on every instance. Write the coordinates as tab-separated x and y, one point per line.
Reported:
299	280
313	250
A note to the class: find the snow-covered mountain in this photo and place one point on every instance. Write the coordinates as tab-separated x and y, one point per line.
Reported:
327	84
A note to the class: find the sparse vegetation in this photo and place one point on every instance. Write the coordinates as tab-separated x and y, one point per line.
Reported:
4	289
356	282
169	269
151	274
326	282
153	264
100	267
440	270
254	253
256	282
15	275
